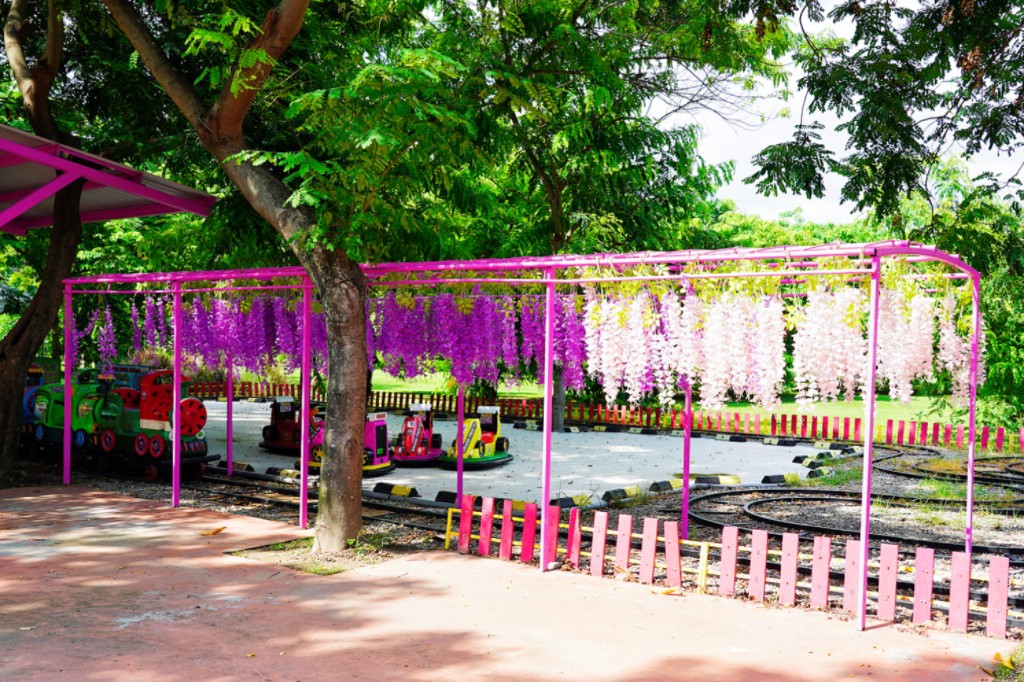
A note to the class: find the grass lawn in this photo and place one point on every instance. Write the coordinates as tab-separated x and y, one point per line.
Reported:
917	409
435	383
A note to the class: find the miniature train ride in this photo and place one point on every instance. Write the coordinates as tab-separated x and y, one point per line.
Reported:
283	434
34	380
124	420
418	444
483	446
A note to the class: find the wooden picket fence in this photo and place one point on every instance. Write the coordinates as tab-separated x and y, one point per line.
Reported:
814	427
761	571
213	390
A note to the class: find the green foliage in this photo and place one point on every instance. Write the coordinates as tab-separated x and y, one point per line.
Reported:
914	78
796	167
1011	667
566	91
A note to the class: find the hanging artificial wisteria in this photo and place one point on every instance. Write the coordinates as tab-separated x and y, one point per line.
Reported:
906	328
830	346
106	340
732	346
954	351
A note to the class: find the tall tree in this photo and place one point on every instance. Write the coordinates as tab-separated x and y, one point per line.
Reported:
566	91
35	78
239	69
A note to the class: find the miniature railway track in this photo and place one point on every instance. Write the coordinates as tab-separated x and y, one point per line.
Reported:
746	508
284	496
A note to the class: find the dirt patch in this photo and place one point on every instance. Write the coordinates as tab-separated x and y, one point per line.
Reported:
377	542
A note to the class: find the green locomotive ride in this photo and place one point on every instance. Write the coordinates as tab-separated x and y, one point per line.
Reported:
116	425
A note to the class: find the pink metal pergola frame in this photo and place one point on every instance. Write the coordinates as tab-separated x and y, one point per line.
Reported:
793	263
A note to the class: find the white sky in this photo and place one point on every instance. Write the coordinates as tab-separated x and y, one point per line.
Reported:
724	142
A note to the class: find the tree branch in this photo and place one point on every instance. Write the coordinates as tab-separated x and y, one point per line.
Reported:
279	29
177	87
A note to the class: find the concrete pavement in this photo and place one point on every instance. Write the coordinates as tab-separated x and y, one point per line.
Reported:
96	586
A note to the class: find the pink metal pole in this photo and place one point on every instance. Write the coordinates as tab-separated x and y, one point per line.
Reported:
973	408
230	389
549	366
69	329
460	409
307	344
869	443
684	513
176	402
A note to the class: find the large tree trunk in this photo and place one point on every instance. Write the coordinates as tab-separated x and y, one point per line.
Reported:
342	288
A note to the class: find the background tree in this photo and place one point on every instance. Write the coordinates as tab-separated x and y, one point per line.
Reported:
914	80
35	78
565	92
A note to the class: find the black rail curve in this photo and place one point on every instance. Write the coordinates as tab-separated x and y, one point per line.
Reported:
1016	554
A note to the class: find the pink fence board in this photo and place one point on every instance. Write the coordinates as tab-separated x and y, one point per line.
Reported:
486	526
465	523
529	533
552	534
623	540
575	538
820	567
787	584
889	566
758	564
998	589
959	591
850	573
727	569
924	575
648	549
507	531
597	546
673	569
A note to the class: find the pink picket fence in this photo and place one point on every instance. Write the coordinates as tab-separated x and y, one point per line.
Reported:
779	425
786	571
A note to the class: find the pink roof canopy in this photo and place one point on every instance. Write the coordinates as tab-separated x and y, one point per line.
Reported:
33	169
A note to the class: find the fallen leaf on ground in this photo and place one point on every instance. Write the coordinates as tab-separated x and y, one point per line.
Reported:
214	532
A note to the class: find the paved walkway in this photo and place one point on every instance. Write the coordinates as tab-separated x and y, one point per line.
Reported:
94	586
